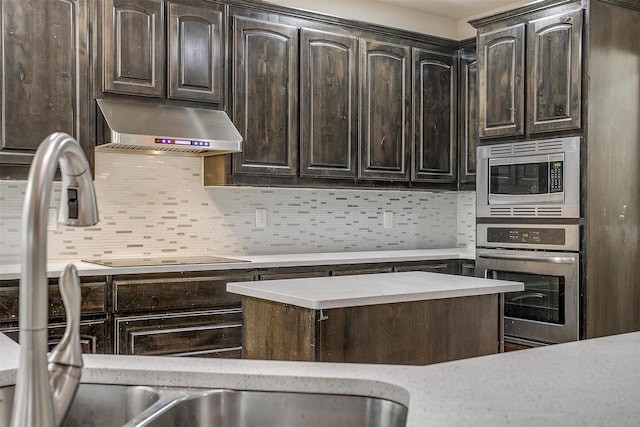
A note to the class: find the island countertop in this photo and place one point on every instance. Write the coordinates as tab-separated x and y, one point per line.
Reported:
588	383
319	293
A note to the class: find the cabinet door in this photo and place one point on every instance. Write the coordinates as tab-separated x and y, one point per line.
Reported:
385	137
434	109
554	73
215	333
501	68
195	52
45	76
468	96
265	97
134	47
328	105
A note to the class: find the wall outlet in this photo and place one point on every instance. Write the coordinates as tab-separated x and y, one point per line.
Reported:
387	219
261	218
52	219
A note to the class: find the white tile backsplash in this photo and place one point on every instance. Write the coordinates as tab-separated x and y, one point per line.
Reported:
157	206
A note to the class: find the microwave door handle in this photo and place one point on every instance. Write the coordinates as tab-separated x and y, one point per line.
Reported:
552	259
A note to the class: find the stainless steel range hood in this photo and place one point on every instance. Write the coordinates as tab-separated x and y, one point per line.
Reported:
143	127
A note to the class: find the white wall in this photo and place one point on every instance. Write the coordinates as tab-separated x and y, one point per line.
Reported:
378	12
381	14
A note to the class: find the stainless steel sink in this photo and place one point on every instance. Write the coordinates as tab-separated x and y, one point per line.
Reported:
105	405
229	408
139	406
109	405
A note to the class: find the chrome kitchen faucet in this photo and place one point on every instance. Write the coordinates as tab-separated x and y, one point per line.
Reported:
44	393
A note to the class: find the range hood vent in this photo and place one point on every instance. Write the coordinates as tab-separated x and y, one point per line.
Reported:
143	127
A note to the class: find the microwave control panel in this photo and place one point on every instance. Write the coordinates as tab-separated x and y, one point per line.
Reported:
533	236
555	177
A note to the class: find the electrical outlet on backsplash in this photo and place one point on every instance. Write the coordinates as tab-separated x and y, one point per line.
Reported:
144	212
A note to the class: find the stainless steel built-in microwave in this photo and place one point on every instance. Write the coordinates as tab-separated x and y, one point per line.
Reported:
529	179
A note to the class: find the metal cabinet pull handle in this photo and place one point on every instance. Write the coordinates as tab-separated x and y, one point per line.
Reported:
552	259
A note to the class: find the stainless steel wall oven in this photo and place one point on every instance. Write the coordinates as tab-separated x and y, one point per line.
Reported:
547	311
528	213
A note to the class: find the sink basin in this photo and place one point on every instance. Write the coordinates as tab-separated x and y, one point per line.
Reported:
140	406
105	405
229	408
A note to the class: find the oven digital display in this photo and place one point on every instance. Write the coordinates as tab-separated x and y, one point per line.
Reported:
535	236
188	142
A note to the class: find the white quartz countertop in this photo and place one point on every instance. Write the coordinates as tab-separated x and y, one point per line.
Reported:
319	293
12	271
588	383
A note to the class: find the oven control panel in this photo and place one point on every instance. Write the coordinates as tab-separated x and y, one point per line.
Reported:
532	236
555	237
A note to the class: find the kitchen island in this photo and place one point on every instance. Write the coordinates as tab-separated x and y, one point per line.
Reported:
413	318
184	308
588	383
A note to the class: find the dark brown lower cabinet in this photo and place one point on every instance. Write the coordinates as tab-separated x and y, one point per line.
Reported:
178	314
413	333
211	333
95	336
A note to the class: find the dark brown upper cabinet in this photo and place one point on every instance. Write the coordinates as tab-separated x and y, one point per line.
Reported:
139	33
324	104
196	52
551	65
385	136
554	72
468	116
45	78
265	97
328	105
501	87
134	47
434	106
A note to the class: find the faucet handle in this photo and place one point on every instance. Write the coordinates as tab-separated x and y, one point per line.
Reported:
68	351
65	361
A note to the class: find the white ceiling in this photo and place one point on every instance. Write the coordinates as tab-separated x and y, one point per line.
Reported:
455	9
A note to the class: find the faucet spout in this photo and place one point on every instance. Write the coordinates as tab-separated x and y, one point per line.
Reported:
35	402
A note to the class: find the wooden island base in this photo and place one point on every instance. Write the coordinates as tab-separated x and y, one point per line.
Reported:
412	333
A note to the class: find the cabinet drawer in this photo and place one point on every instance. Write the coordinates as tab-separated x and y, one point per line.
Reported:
294	273
447	267
468	268
214	333
92	335
352	270
92	290
175	292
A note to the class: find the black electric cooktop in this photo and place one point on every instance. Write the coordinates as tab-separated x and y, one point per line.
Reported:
144	262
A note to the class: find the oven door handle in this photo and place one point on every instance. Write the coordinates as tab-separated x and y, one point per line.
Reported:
552	259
